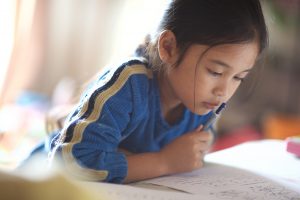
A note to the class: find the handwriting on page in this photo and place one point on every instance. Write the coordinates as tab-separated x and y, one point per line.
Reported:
223	182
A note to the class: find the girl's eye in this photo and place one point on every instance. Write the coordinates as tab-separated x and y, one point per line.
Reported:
239	78
214	73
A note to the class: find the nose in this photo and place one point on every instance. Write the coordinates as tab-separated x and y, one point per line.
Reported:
221	89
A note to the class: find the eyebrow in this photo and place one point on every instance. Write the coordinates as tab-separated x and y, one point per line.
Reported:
221	63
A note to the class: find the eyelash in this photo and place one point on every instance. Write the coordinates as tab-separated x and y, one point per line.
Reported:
213	73
239	79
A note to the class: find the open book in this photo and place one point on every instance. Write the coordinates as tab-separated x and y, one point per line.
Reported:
213	182
216	181
254	170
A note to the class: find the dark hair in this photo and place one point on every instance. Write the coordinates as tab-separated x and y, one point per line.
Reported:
211	23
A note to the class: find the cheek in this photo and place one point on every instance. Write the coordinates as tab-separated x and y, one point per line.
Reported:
203	87
233	89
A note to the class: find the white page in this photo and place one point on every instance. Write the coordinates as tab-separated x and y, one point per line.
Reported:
224	182
271	161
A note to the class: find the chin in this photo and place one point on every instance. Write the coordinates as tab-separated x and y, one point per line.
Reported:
201	111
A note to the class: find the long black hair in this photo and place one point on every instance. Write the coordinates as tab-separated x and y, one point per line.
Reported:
208	22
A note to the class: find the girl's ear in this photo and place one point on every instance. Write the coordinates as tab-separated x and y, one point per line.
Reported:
167	47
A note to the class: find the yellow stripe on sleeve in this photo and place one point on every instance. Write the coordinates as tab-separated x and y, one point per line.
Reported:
85	173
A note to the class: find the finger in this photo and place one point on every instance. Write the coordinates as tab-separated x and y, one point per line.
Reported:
204	146
204	136
199	128
200	148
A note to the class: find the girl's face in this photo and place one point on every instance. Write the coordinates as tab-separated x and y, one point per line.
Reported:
203	80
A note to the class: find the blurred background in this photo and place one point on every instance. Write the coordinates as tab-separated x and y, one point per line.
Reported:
50	48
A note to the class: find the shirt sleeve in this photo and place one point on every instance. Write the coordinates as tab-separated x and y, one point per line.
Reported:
92	136
95	146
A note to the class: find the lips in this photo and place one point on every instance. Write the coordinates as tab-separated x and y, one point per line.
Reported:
210	105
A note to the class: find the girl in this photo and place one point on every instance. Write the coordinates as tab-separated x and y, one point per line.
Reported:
143	118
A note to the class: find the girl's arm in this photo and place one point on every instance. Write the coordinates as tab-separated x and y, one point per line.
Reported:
144	166
183	154
89	140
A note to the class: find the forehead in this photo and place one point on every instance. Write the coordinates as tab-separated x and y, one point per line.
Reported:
234	55
241	56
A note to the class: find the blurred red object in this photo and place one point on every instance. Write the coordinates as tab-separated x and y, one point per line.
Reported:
237	136
293	145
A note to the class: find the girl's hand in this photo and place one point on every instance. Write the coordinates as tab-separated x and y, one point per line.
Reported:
186	152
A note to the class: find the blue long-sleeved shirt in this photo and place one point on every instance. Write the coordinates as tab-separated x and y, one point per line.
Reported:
121	109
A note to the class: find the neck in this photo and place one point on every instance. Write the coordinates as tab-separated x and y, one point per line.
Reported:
171	106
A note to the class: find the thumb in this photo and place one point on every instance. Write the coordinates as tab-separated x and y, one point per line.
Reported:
199	128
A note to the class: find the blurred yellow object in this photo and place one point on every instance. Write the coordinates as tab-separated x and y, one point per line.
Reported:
58	187
281	126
